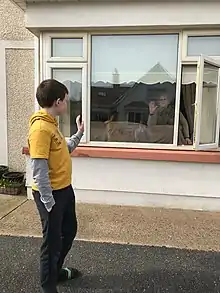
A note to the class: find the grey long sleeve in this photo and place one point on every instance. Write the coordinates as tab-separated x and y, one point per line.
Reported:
74	140
42	181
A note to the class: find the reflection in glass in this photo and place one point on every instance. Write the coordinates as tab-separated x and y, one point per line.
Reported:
133	88
72	78
209	105
206	45
67	47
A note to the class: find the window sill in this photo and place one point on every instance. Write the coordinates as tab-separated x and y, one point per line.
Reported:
211	157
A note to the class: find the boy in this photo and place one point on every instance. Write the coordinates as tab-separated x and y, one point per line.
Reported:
52	190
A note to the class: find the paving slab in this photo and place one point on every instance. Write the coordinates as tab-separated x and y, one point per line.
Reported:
8	203
109	268
121	224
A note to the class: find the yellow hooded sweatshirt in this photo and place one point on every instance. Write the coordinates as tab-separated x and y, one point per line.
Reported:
45	141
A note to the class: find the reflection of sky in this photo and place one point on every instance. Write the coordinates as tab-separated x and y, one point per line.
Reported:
67	47
209	45
69	77
67	74
132	55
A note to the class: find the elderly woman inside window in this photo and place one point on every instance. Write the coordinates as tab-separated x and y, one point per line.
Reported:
162	112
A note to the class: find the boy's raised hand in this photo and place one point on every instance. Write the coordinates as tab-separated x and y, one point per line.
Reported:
80	125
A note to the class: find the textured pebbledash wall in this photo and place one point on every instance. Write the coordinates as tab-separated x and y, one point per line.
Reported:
12	22
20	89
19	81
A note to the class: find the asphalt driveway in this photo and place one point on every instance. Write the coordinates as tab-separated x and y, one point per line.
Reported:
112	268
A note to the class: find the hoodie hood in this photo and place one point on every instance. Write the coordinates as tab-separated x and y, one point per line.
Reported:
44	116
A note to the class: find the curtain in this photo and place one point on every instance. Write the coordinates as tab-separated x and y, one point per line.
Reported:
188	101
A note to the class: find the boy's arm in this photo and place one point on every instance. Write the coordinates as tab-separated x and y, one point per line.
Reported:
74	140
42	181
39	146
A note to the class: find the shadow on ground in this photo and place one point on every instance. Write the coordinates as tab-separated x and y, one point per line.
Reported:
113	268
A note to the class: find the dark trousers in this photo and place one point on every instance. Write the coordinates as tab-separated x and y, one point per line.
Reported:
59	230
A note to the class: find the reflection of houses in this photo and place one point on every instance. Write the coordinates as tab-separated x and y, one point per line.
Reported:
73	108
130	100
103	99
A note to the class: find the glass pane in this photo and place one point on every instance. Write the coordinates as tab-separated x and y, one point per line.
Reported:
209	104
209	45
187	105
72	78
133	88
67	47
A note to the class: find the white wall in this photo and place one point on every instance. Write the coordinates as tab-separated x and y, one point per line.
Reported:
138	14
140	176
146	183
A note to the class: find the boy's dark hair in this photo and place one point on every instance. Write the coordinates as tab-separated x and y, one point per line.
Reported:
49	91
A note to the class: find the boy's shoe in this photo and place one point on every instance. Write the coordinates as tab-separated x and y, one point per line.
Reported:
68	274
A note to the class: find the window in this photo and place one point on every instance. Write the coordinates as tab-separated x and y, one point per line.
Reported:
65	59
72	78
67	47
200	98
139	90
206	45
187	105
207	105
197	43
134	117
139	79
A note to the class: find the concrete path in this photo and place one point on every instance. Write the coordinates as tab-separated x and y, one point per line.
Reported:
109	268
134	225
9	203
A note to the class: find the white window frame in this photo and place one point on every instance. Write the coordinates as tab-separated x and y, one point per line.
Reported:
138	145
196	33
83	67
198	104
48	47
85	63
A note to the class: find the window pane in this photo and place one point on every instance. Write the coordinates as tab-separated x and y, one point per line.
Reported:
187	105
209	46
72	78
67	47
133	88
209	105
